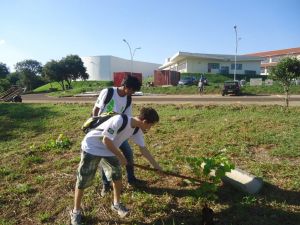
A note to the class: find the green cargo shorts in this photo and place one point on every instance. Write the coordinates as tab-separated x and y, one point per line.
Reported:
89	164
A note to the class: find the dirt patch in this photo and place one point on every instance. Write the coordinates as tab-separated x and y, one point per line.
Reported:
263	153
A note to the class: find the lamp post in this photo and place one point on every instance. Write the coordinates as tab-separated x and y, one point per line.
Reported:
236	47
234	73
131	53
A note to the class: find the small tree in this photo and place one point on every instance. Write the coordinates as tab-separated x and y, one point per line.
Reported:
285	72
214	169
53	71
73	69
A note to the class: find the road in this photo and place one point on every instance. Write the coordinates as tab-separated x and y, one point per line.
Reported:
174	99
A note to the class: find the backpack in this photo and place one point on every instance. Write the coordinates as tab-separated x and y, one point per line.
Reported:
110	93
93	122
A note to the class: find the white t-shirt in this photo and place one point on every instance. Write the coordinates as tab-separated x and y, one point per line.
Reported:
200	83
92	142
116	104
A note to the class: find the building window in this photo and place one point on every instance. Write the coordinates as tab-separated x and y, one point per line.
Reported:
214	66
266	60
262	70
276	59
239	66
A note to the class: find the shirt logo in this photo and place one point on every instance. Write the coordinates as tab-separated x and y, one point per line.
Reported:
110	106
111	131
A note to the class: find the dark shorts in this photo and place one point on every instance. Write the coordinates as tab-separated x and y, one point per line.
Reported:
89	164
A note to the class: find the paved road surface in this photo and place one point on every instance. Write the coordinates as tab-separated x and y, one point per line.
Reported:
173	99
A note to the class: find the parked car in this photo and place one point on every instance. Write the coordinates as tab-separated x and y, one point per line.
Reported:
231	87
187	81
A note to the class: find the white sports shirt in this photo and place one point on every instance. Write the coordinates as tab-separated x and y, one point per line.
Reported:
116	104
92	142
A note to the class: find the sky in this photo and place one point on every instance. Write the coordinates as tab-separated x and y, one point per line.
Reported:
46	30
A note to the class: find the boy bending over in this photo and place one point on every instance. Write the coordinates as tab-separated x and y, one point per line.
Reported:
102	146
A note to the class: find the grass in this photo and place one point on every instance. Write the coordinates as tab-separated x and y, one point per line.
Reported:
77	87
38	173
214	87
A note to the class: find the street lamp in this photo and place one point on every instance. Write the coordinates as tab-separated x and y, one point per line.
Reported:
234	73
131	53
236	47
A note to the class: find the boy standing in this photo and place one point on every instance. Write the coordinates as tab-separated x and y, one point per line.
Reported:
102	146
119	102
201	85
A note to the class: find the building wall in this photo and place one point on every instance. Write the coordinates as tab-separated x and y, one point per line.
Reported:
98	67
103	67
201	66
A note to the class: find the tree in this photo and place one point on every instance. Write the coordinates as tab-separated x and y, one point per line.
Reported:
285	72
73	68
14	78
29	70
4	85
4	71
67	69
54	71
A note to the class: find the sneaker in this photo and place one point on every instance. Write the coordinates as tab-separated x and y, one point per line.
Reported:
120	209
137	183
105	190
76	218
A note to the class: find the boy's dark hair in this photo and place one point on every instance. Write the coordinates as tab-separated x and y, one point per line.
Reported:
149	114
132	82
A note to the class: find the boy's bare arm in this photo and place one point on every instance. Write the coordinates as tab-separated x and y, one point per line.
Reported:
95	111
110	146
145	152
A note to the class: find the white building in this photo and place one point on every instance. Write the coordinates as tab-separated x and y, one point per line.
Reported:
212	63
103	67
271	58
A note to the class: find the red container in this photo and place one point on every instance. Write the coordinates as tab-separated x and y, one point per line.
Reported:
166	77
120	76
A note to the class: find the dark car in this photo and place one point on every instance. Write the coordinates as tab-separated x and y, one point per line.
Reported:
231	87
187	81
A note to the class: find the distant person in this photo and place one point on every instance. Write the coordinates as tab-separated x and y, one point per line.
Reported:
201	85
119	102
101	146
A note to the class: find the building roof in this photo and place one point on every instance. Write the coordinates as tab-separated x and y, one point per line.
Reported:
288	51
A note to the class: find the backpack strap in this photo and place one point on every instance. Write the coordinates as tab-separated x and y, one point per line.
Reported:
136	130
128	103
110	92
124	124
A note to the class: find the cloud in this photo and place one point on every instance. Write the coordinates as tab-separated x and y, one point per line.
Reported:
2	42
